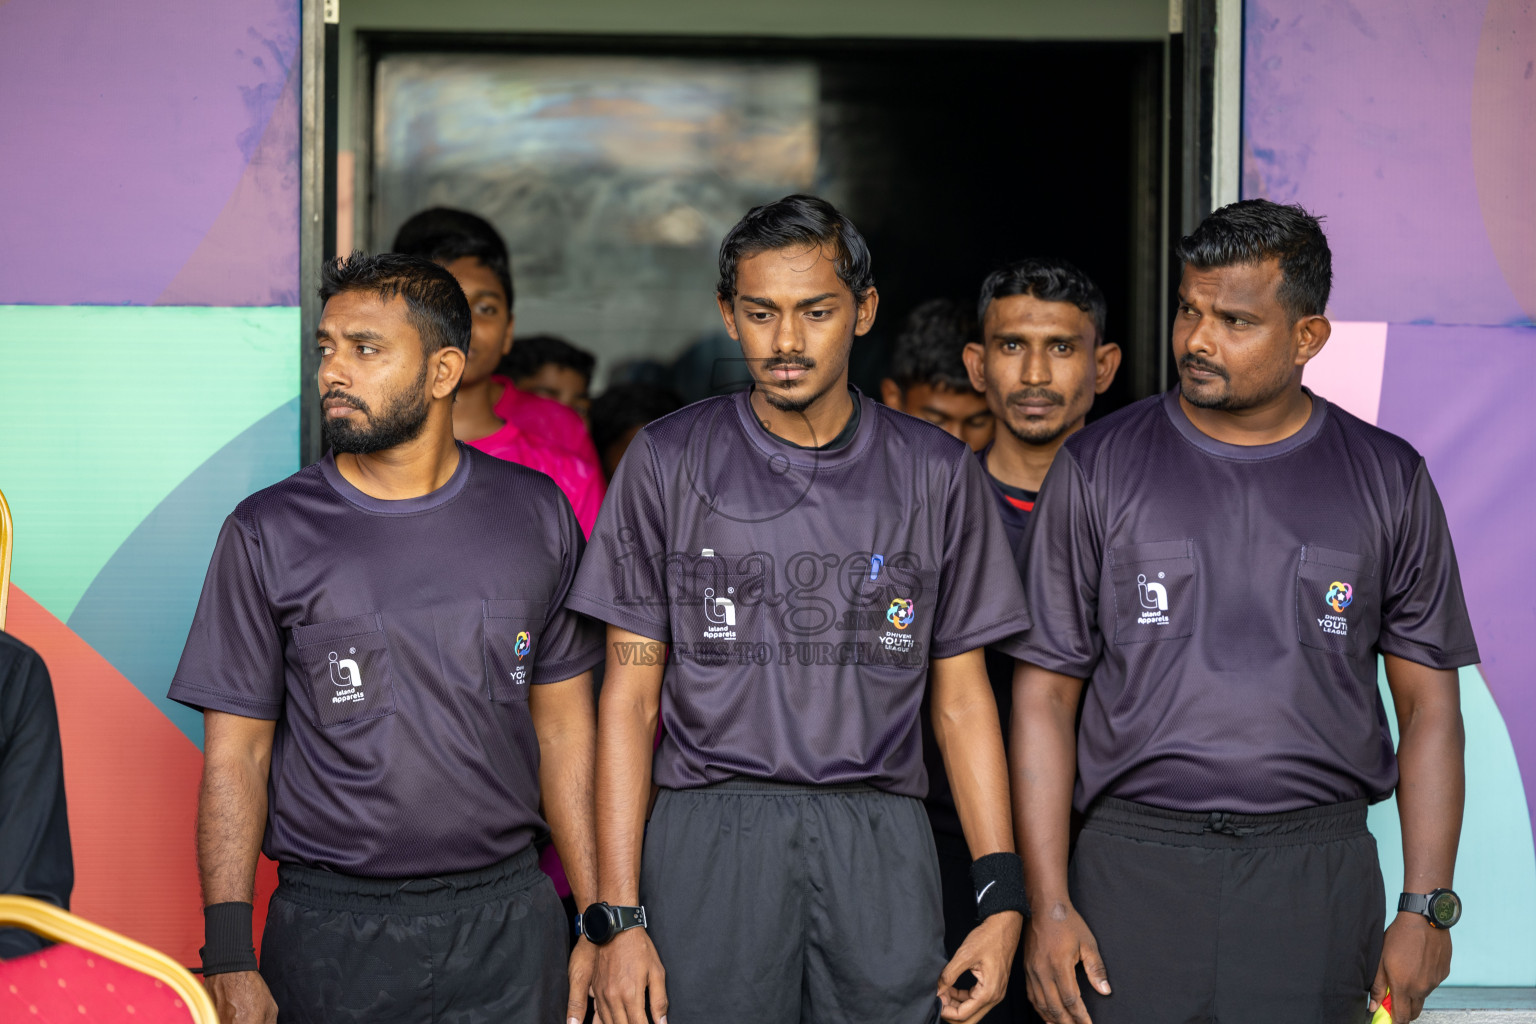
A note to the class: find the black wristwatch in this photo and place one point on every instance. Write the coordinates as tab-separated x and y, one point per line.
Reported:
1442	907
600	922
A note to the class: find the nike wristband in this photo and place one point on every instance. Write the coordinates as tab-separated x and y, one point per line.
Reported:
999	882
227	939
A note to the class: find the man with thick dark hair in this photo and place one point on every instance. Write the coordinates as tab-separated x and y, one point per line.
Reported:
475	253
1041	358
813	563
391	691
552	368
928	378
1214	574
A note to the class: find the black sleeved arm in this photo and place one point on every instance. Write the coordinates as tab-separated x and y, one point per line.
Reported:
35	857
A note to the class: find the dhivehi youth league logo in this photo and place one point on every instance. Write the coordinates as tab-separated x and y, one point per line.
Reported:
1340	595
901	612
523	645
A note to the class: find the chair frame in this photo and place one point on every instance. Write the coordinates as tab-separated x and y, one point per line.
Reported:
7	541
51	922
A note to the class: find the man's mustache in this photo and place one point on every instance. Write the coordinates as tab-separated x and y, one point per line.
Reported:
1034	396
1193	362
346	399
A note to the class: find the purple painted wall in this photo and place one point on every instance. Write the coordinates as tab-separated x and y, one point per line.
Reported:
151	152
1411	126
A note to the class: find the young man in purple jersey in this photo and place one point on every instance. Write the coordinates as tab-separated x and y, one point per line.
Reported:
785	572
1041	358
391	689
1213	575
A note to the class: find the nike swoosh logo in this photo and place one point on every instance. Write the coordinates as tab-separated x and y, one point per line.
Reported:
984	891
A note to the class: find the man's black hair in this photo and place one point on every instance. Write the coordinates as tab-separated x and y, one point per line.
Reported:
434	303
443	234
1048	279
624	406
1256	230
928	348
797	221
533	352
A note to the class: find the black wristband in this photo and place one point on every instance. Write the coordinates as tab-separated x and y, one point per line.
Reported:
227	936
998	879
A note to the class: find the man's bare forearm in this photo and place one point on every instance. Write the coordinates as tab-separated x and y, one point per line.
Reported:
965	724
630	705
565	720
1431	788
1044	741
232	805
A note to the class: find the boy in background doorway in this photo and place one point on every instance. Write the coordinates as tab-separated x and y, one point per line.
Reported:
552	368
928	376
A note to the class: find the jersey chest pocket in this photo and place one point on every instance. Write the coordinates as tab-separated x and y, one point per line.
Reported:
346	664
1338	603
512	630
1154	588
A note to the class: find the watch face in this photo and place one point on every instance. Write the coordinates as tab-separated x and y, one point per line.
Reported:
1444	908
596	924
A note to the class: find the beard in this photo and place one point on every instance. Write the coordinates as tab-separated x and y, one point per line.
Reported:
1035	432
402	420
1224	398
793	398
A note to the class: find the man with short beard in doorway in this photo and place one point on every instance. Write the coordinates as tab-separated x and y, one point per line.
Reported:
816	562
1041	358
391	688
1214	574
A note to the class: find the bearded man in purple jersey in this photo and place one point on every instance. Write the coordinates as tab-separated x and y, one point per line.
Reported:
785	572
1214	575
395	702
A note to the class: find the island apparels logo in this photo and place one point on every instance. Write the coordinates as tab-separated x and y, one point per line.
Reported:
1340	596
349	687
721	615
1154	601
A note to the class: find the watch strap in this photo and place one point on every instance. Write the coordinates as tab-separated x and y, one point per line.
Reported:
629	917
1413	903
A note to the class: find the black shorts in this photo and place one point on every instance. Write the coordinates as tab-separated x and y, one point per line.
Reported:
487	945
1230	917
779	904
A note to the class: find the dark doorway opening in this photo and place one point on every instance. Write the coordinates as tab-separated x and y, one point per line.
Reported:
952	157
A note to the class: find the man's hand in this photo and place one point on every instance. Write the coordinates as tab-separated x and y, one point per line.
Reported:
988	954
1415	958
583	961
1058	940
242	998
628	970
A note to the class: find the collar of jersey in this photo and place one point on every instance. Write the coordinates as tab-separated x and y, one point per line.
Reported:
399	506
807	458
1244	452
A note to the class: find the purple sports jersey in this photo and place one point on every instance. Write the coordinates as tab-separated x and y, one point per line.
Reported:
1227	604
394	643
803	591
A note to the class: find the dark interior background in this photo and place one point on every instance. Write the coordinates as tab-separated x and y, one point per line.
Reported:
955	157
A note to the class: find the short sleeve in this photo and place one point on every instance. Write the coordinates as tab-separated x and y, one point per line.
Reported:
1424	614
980	601
571	642
587	502
233	660
1061	559
621	580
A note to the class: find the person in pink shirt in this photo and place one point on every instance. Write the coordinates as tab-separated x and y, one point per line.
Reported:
459	238
532	431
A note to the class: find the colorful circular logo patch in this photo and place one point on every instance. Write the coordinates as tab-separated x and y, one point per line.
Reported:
1340	595
901	612
523	645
